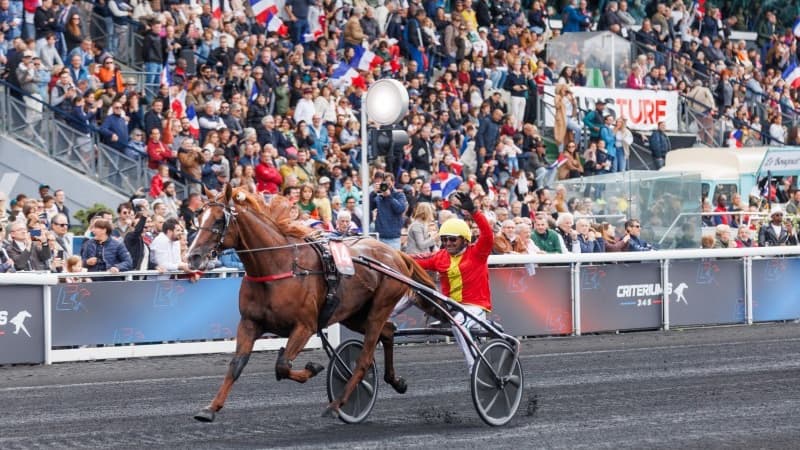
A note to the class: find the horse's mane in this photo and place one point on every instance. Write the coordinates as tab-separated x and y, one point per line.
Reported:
277	211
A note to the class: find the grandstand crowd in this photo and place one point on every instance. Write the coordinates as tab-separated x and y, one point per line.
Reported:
268	97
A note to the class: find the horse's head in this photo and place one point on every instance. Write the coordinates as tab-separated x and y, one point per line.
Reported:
215	231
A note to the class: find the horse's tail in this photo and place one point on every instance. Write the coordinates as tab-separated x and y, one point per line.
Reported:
418	274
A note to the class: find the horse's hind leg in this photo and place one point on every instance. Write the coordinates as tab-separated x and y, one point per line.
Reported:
283	366
246	336
387	340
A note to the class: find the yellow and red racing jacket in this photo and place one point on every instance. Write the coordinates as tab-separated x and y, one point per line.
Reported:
465	277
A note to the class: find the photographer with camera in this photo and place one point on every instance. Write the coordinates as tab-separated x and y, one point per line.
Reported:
390	205
29	250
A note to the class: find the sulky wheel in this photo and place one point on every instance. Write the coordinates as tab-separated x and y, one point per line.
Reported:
340	369
497	383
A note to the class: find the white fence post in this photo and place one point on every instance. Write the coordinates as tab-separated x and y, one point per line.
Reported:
576	299
664	294
748	289
47	300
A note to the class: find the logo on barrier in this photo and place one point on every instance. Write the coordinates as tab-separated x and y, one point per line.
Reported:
18	321
649	294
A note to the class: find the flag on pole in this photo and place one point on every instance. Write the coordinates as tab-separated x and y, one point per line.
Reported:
313	36
266	13
562	159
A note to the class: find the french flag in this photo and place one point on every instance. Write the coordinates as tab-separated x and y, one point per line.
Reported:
364	59
562	159
194	124
178	104
313	36
266	13
216	9
165	79
699	7
345	75
796	28
735	139
792	75
445	184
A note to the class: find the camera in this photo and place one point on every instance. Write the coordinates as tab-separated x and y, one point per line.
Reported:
383	187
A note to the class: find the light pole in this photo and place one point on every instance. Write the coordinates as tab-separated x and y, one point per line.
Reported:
385	103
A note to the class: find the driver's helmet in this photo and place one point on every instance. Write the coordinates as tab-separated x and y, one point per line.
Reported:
456	227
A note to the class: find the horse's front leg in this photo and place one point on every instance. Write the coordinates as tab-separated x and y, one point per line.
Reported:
387	340
297	341
246	335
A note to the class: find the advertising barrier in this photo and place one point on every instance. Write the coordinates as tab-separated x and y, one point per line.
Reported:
643	109
532	305
620	297
706	292
775	291
21	324
144	311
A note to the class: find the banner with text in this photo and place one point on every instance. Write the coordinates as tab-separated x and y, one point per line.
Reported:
705	292
21	325
113	312
643	109
775	293
620	297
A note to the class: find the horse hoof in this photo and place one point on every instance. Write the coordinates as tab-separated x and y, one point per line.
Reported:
205	415
400	386
314	368
331	412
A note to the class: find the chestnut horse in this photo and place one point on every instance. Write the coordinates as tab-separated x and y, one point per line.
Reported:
284	288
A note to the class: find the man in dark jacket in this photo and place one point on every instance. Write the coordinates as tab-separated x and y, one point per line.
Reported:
154	54
391	205
633	229
115	128
488	134
103	253
26	251
774	233
659	145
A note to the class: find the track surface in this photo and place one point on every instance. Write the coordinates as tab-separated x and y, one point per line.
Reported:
736	387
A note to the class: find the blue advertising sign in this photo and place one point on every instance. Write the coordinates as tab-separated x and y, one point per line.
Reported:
112	312
620	297
775	292
706	292
21	325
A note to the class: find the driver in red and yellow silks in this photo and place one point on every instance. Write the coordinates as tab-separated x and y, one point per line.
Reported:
463	267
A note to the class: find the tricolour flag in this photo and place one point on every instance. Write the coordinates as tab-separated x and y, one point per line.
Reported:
216	9
263	10
365	59
194	124
699	7
165	79
345	75
735	139
444	184
791	74
178	104
562	159
796	28
313	36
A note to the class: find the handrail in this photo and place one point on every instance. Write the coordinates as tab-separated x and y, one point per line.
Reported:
655	255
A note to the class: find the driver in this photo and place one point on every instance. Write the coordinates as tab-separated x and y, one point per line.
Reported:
463	267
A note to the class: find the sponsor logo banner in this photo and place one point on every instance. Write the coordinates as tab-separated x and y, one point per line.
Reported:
620	297
21	325
643	109
706	292
775	293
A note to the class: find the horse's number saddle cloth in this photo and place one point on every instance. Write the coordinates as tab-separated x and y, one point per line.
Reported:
341	257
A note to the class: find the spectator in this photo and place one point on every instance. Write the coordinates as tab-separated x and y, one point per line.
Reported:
594	120
166	248
774	233
422	235
744	238
102	253
390	206
544	238
28	251
633	230
659	145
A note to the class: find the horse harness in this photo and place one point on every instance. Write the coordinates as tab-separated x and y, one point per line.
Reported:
317	241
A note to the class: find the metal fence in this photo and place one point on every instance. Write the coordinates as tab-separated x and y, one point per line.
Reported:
46	129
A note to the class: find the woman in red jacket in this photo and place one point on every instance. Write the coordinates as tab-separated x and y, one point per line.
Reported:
157	151
268	179
463	267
